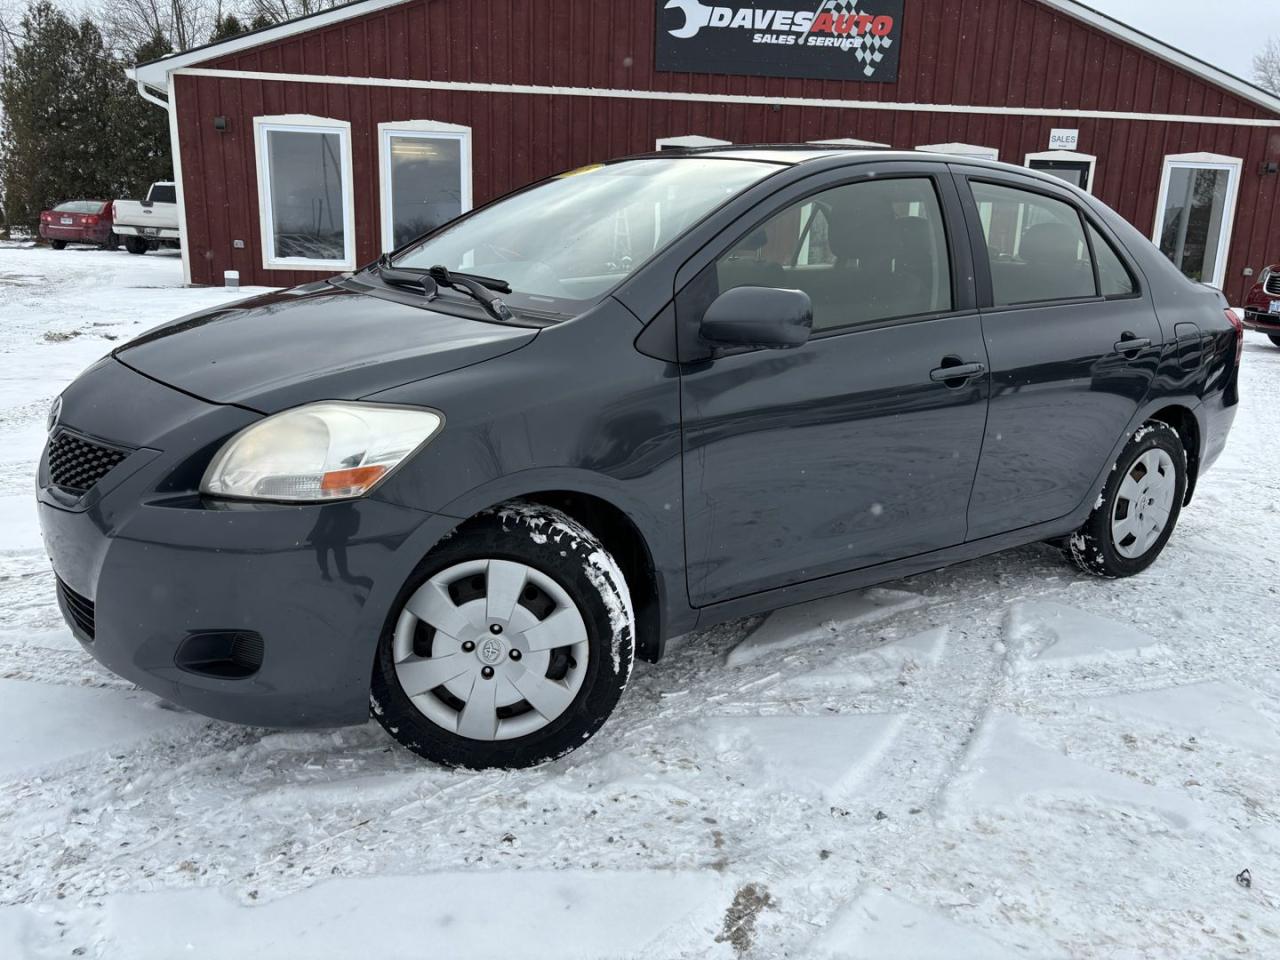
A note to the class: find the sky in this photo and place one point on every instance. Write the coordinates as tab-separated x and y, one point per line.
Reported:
1225	33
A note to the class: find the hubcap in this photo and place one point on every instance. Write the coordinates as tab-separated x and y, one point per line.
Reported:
491	649
1144	503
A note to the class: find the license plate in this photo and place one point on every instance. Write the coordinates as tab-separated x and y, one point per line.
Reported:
151	231
1275	307
67	220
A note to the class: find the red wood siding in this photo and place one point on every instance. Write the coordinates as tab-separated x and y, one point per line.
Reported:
983	52
980	52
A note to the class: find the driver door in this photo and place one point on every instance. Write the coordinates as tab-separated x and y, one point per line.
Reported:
855	449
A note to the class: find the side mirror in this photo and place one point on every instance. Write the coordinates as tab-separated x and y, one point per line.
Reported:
758	317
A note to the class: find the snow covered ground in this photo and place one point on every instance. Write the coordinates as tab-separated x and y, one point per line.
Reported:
1004	759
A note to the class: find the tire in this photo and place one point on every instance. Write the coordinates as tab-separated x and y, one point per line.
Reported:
136	245
111	243
1274	338
473	706
1150	477
58	244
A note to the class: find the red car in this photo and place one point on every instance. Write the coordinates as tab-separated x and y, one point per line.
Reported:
1262	306
79	221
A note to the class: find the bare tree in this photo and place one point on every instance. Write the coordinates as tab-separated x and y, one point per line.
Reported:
1266	66
184	23
278	11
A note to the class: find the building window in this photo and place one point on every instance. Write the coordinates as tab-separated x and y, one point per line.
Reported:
691	141
305	200
962	150
1195	214
425	177
1075	168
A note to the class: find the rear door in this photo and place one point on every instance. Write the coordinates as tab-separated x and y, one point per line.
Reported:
1073	343
857	448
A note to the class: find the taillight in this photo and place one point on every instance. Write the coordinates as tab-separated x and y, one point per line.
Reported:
46	217
1236	322
91	219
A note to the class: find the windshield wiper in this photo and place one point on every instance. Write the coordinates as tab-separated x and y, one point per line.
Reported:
431	280
478	288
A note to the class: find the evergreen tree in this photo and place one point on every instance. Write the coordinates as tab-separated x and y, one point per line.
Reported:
139	138
226	26
56	90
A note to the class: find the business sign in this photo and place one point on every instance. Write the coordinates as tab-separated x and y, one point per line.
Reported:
821	39
1063	139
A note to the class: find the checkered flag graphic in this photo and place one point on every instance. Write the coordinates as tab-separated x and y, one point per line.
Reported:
868	49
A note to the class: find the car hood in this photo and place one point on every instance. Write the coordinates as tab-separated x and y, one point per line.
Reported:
317	342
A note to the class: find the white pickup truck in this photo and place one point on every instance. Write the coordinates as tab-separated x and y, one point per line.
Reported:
151	223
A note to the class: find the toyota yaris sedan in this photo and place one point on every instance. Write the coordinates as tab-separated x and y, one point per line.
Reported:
467	486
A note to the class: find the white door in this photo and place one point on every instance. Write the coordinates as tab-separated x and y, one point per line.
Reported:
1196	212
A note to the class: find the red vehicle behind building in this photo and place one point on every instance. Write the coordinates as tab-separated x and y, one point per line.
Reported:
1262	305
79	221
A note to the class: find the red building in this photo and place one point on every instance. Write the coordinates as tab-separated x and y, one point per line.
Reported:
310	147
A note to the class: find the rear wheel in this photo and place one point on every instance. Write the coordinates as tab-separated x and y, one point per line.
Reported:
58	244
134	244
111	243
1139	506
1274	338
510	645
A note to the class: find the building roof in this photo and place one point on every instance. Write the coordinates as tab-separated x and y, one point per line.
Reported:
155	73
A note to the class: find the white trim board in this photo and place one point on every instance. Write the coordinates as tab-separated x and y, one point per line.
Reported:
308	124
156	73
426	130
175	150
458	86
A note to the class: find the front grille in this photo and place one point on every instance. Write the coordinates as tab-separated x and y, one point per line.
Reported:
79	609
77	464
1272	285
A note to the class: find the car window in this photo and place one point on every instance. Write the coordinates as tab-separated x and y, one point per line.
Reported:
1113	276
1036	246
163	193
862	252
79	206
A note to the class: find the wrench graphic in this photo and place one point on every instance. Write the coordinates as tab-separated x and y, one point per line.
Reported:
696	16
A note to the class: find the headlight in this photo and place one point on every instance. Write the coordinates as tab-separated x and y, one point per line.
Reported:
323	451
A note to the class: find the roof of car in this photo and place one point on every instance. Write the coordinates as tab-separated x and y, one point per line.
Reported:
792	154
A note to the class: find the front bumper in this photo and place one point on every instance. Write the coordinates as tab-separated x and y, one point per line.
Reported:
160	564
1260	321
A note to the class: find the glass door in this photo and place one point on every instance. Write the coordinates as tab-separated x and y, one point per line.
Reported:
425	178
1196	212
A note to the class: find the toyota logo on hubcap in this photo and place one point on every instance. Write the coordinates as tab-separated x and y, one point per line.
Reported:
491	650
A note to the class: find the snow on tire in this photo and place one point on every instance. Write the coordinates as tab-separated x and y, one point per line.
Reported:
510	644
1139	506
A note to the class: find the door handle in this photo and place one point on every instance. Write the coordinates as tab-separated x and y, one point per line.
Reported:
958	372
1129	343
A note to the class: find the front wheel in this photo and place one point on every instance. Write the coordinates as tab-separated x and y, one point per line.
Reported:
1139	506
509	646
58	244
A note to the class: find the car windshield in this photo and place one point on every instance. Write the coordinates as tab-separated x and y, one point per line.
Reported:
79	206
571	239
